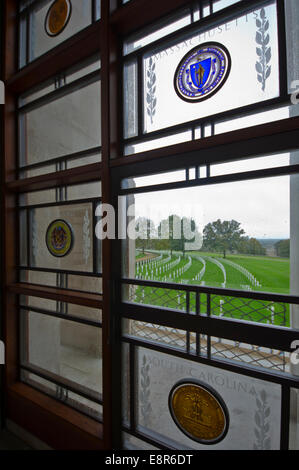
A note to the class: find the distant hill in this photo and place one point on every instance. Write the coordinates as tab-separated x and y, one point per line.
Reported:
268	242
271	246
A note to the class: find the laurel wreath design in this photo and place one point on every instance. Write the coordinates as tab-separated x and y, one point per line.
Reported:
151	90
264	51
263	441
144	395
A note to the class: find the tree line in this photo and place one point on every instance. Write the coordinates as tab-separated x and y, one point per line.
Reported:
282	248
218	236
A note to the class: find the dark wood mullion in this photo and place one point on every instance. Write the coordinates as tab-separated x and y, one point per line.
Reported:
52	421
62	315
208	180
61	426
282	127
65	158
61	91
138	13
236	330
54	293
109	95
9	222
65	55
62	381
77	175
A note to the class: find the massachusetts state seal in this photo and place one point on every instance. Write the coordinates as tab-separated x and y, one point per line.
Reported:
59	238
199	411
202	72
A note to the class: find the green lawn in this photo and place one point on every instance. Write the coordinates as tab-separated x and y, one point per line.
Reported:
272	274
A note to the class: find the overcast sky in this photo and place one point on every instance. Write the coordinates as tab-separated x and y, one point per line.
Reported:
261	206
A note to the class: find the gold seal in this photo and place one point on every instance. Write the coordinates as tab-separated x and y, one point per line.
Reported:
57	17
59	238
198	412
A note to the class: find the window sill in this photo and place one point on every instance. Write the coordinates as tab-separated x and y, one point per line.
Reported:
54	423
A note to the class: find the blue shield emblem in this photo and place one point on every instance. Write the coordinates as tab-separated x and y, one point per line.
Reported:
200	72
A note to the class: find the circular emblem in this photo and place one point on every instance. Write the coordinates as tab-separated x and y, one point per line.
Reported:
58	17
199	411
202	72
59	238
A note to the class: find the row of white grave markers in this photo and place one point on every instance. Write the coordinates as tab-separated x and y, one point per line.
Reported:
272	310
201	274
160	260
220	265
149	268
148	272
145	272
188	265
179	272
156	262
251	278
149	265
174	263
145	266
148	261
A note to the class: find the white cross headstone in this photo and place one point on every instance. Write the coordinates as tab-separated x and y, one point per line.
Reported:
221	307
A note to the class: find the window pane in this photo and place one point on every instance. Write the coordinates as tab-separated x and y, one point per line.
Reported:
256	212
22	42
46	33
220	4
253	405
250	164
249	120
67	125
67	349
253	77
292	33
62	237
140	40
294	420
130	99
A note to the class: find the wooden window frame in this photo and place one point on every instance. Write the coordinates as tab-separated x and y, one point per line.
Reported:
52	422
